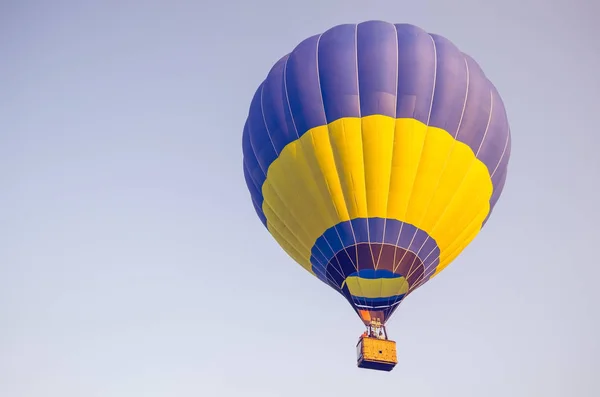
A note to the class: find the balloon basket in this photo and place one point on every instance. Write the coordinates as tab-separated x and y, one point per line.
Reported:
377	354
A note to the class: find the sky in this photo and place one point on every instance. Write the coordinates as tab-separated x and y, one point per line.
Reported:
123	208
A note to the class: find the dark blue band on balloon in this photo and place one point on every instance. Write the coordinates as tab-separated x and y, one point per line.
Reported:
351	244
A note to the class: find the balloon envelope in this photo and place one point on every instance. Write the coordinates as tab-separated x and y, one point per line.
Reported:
374	154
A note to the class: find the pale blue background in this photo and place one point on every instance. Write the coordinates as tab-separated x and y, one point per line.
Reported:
123	210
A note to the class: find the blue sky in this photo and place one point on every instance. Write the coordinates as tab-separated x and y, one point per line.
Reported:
123	200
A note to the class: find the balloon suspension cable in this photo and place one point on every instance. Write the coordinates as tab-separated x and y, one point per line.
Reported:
376	329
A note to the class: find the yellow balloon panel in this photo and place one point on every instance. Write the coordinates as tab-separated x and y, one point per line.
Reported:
376	167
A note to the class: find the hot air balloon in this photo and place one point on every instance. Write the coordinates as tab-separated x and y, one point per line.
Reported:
374	153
